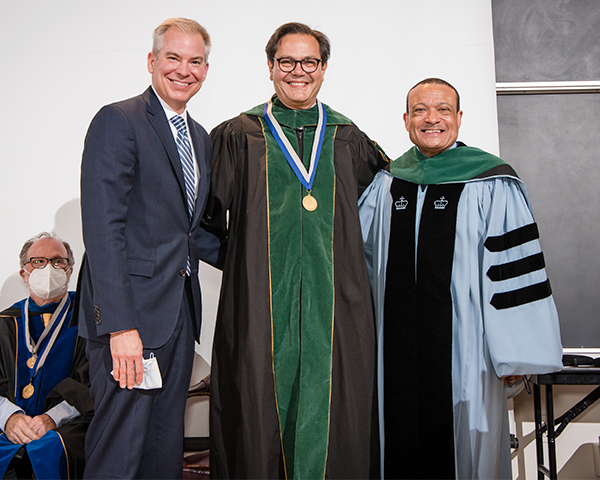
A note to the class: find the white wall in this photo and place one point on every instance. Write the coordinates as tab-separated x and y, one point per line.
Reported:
62	60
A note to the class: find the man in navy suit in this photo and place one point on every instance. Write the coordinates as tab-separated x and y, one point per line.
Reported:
139	289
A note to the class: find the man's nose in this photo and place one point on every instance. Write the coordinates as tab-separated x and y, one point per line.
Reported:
183	69
298	69
432	116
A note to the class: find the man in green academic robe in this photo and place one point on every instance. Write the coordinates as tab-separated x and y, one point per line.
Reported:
293	360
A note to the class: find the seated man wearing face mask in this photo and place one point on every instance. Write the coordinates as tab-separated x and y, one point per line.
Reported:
45	407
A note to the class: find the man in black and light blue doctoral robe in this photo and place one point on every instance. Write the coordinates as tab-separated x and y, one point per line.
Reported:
463	304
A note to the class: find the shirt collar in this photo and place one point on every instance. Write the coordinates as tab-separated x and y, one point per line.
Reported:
169	112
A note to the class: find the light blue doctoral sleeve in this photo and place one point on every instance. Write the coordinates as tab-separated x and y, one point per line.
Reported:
63	413
496	252
522	333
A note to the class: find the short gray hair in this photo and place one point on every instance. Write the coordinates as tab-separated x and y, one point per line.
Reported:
185	25
23	256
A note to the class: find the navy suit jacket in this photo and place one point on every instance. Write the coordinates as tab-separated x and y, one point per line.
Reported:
136	227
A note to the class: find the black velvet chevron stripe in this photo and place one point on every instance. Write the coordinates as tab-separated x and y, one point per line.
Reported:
517	268
532	293
513	238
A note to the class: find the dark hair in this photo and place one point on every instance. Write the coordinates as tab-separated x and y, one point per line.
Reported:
435	81
295	28
25	249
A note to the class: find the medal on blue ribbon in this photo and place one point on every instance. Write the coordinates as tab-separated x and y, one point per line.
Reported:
54	326
306	177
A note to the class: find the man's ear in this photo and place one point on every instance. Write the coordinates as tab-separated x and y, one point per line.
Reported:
270	65
151	60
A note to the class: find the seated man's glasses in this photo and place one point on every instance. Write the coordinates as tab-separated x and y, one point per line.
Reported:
288	64
41	262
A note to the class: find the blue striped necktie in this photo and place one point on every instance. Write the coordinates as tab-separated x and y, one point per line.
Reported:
185	155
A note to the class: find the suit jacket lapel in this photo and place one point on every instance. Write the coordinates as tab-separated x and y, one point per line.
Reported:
159	121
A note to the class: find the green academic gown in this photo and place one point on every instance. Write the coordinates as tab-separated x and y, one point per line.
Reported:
294	350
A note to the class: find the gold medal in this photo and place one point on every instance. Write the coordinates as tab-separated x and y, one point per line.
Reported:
31	362
309	203
28	391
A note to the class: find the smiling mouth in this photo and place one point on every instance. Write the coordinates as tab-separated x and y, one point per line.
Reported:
181	83
297	84
432	131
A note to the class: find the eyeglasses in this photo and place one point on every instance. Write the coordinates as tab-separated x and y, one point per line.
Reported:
41	262
288	64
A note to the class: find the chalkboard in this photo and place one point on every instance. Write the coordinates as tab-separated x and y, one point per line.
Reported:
546	40
553	141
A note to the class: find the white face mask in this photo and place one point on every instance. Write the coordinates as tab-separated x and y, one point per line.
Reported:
47	282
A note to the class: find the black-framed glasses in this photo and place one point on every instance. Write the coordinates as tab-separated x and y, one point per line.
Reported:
41	262
288	64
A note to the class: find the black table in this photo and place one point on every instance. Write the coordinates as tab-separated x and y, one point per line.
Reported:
567	376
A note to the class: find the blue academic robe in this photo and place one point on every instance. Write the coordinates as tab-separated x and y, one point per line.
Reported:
62	377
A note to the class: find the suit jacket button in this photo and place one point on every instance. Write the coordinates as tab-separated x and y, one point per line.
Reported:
182	272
